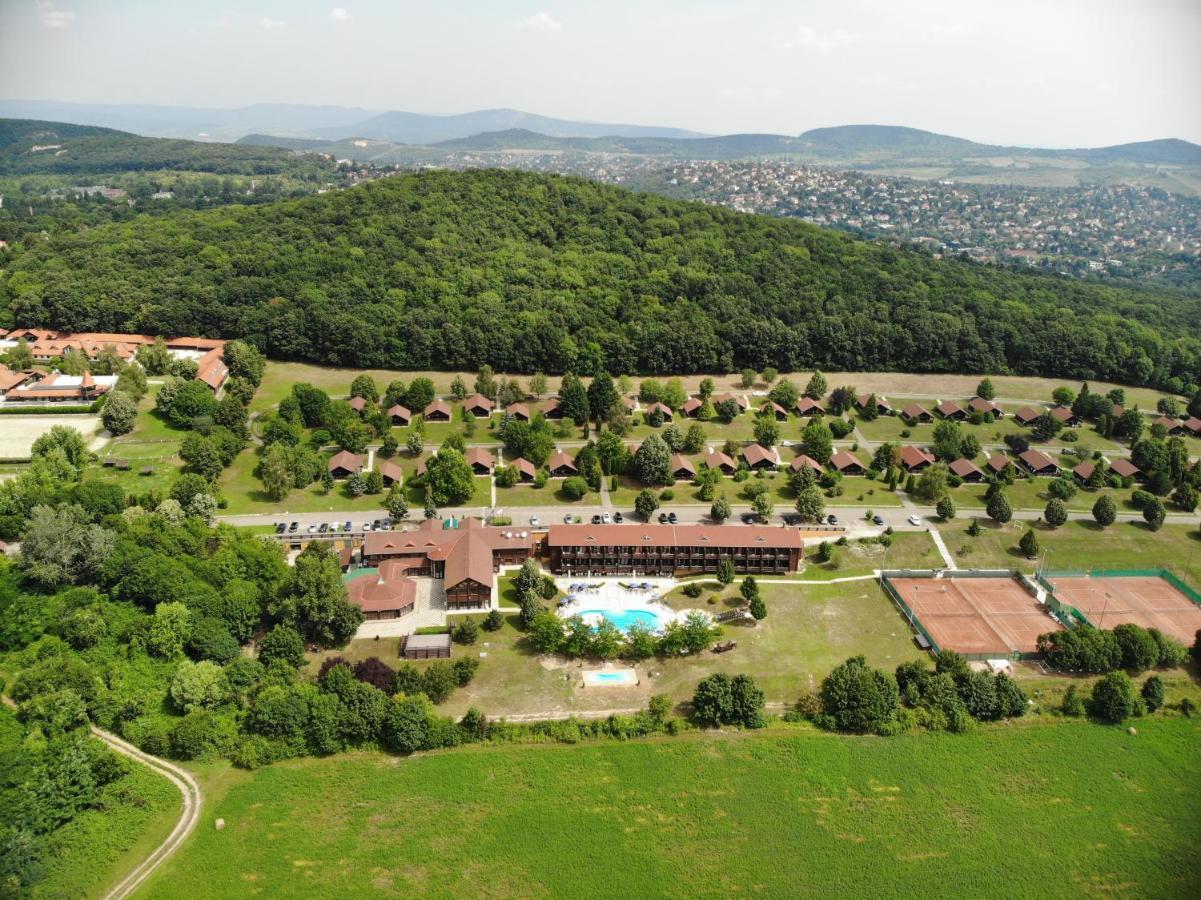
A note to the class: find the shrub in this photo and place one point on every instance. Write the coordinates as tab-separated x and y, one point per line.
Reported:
859	698
466	632
494	621
464	670
282	643
1153	693
693	589
1113	698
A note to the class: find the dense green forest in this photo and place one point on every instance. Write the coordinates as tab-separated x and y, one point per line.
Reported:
82	149
531	272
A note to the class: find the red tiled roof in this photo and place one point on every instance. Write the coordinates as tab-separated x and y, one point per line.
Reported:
842	459
520	410
1036	459
478	400
716	459
982	405
673	536
400	412
478	456
388	589
679	461
914	411
525	467
1062	413
344	459
1124	468
998	461
802	460
914	456
1027	414
439	405
560	458
390	470
805	404
757	453
211	369
964	467
950	408
1084	471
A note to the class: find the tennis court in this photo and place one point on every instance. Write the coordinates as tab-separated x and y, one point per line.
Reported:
1145	600
978	616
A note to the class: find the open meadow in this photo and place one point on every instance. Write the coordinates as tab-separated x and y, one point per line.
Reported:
1067	809
17	432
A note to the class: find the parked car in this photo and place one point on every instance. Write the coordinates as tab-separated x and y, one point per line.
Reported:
323	528
366	527
334	527
606	518
792	519
385	524
535	521
915	520
568	519
292	528
618	518
831	519
878	520
349	526
596	520
662	518
672	518
312	527
280	527
750	519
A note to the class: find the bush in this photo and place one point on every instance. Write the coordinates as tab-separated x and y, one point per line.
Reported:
282	643
464	670
721	700
693	589
1113	698
1073	703
1140	651
1153	693
859	698
466	632
575	487
494	621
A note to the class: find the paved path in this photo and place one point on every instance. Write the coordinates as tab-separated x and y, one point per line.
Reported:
193	800
942	548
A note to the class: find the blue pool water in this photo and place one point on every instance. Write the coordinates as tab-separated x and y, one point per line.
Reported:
618	677
626	619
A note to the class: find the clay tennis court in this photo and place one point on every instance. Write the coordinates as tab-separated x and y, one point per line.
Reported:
1149	601
976	615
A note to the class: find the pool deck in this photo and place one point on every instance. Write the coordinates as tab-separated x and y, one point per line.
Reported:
606	597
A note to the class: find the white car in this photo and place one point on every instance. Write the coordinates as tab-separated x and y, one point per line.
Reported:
366	526
535	521
312	527
606	518
915	520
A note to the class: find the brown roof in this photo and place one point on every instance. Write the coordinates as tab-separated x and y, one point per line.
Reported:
1167	422
862	399
757	453
525	466
716	459
344	459
803	460
478	400
550	405
964	467
478	456
998	461
805	404
520	410
662	408
10	379
691	405
914	411
1062	413
390	470
673	536
679	461
1124	468
1084	471
469	558
842	459
981	405
561	458
1036	459
949	408
1027	414
467	550
776	408
1192	423
388	589
358	404
914	456
439	405
399	412
211	369
737	398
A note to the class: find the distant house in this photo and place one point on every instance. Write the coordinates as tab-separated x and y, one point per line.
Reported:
526	470
883	407
1169	425
1065	416
629	403
801	461
1027	414
551	409
1118	411
479	406
737	398
1084	471
915	412
358	404
718	460
438	411
10	379
561	465
518	411
387	594
400	415
1038	463
998	463
980	405
1192	425
759	457
846	463
391	473
691	407
211	368
951	410
967	471
1124	468
778	411
59	388
807	407
344	464
661	408
682	468
915	459
481	461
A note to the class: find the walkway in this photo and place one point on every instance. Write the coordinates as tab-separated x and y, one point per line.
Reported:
942	548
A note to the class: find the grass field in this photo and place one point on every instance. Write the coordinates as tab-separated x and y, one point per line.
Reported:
1067	809
17	433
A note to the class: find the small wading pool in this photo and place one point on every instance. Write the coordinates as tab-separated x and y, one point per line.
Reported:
611	678
624	619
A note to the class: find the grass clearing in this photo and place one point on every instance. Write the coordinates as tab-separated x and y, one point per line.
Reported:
17	433
1055	810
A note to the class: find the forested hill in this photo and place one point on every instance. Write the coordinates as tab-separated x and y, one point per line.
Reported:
529	272
30	147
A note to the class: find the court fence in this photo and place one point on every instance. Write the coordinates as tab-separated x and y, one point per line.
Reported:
914	622
1166	574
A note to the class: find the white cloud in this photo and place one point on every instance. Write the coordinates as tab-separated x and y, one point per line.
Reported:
269	24
541	21
339	15
52	16
949	30
811	39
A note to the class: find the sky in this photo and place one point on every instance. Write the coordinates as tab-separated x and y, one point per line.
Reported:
1052	73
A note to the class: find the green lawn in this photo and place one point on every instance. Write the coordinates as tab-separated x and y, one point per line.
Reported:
1045	809
551	495
891	428
1031	493
909	550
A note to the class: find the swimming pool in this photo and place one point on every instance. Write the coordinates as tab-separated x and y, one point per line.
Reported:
625	619
611	678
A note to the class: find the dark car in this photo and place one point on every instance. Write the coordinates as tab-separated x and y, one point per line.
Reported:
792	519
663	518
375	525
348	526
292	528
672	518
596	520
878	520
831	519
385	524
617	517
750	519
280	527
323	528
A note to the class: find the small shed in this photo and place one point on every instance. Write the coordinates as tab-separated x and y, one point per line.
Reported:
427	646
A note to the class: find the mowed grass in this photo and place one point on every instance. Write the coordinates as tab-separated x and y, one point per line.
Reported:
1065	809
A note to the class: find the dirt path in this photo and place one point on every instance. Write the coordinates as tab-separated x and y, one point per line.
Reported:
193	800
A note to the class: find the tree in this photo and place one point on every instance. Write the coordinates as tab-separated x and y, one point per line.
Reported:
170	629
199	685
574	487
652	462
858	698
1113	698
1062	488
395	502
762	505
1154	513
1153	693
985	390
998	508
62	546
449	480
815	389
945	509
933	483
727	410
1140	650
466	632
20	357
602	396
747	378
573	398
284	644
720	510
313	599
646	503
1045	427
785	393
246	361
810	503
119	413
275	472
948	440
1104	511
767	431
757	607
817	442
1029	544
1056	512
725	570
64	438
713	700
485	382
